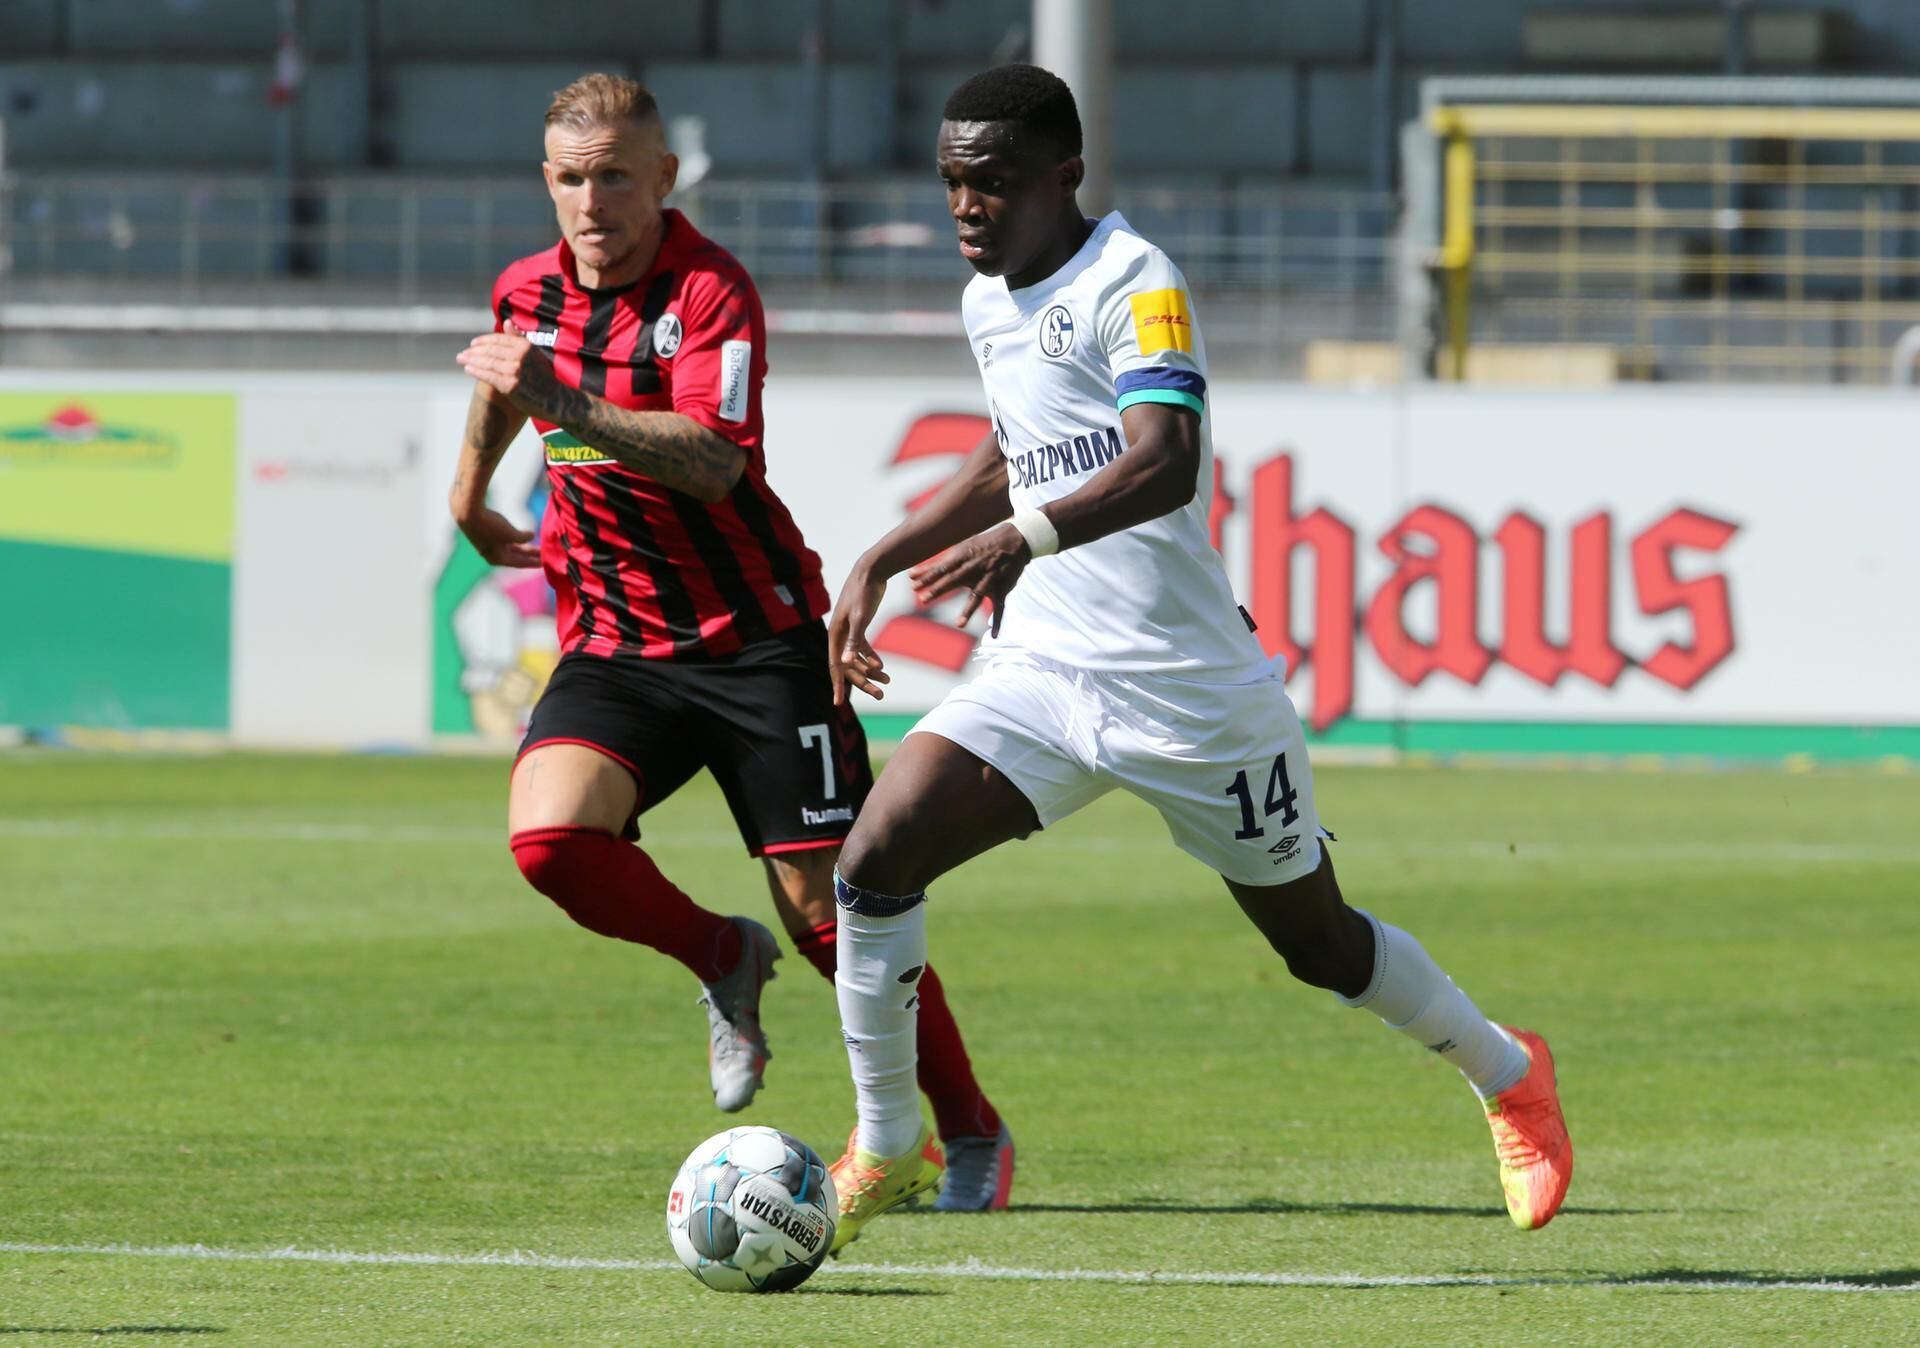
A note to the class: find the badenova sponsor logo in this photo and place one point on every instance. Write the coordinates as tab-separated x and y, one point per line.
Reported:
736	357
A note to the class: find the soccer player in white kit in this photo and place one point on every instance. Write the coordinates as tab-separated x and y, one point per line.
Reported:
1116	656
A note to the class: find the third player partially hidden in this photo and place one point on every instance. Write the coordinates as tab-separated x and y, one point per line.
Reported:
1116	656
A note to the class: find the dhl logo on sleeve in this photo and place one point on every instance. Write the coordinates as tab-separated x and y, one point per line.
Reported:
1161	321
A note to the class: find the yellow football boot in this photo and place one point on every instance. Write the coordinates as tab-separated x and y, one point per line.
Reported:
868	1185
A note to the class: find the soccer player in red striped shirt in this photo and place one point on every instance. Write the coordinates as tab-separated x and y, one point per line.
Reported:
690	608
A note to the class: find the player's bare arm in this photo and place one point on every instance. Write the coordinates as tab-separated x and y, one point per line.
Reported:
674	450
973	499
492	423
1157	475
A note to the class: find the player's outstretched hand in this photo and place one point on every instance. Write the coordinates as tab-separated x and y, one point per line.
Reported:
986	566
498	539
514	367
851	659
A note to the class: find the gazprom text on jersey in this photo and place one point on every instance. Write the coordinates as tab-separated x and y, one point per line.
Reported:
1081	454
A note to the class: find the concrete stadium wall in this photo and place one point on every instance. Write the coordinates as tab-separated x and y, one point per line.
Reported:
1665	572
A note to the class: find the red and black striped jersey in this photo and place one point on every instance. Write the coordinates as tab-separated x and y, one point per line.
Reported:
637	567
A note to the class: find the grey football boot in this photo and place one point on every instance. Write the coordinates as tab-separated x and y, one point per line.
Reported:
737	1049
979	1173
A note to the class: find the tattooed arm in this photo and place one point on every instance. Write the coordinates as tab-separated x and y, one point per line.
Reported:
674	450
492	422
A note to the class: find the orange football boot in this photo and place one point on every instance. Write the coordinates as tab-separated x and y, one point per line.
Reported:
1530	1138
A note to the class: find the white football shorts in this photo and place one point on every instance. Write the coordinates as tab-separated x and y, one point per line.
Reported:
1225	764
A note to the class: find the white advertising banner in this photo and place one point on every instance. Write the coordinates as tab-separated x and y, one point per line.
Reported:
1641	556
330	612
1719	571
1451	555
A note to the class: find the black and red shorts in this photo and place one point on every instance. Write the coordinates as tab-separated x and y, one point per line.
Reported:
792	766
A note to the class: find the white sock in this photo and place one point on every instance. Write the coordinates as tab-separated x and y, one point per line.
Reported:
881	959
1412	995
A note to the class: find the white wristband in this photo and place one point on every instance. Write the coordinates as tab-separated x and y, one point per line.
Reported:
1043	540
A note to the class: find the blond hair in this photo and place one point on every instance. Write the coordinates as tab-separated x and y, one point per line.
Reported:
601	99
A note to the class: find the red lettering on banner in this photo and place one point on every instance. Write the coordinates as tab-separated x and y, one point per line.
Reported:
1221	507
1276	533
1453	565
913	636
1704	597
1589	650
927	640
1429	544
942	433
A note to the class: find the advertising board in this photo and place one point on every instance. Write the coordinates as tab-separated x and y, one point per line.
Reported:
1660	571
116	548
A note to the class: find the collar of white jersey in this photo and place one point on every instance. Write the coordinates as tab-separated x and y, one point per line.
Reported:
1031	297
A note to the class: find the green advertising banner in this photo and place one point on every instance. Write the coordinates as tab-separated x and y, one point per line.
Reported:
116	559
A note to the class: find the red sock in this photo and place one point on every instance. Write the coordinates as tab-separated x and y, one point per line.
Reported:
612	887
960	1107
816	948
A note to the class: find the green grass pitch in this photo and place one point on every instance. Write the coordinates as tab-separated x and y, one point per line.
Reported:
259	1004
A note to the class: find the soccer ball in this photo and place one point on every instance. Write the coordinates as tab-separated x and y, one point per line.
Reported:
752	1210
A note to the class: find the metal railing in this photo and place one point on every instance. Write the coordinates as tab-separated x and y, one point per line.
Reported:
1690	241
420	240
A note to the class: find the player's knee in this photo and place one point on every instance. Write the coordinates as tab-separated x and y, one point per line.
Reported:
1333	951
870	860
1312	957
878	866
562	864
554	859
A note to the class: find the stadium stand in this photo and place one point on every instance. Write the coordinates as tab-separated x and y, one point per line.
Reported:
400	167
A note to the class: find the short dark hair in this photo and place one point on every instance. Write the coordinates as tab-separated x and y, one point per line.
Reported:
1034	98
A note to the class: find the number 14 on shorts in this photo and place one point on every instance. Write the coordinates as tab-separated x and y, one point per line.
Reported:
1280	798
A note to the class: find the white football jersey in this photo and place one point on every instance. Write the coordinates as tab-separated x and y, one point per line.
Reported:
1061	360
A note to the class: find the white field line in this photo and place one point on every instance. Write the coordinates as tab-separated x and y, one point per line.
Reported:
1628	851
259	830
1622	852
970	1269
